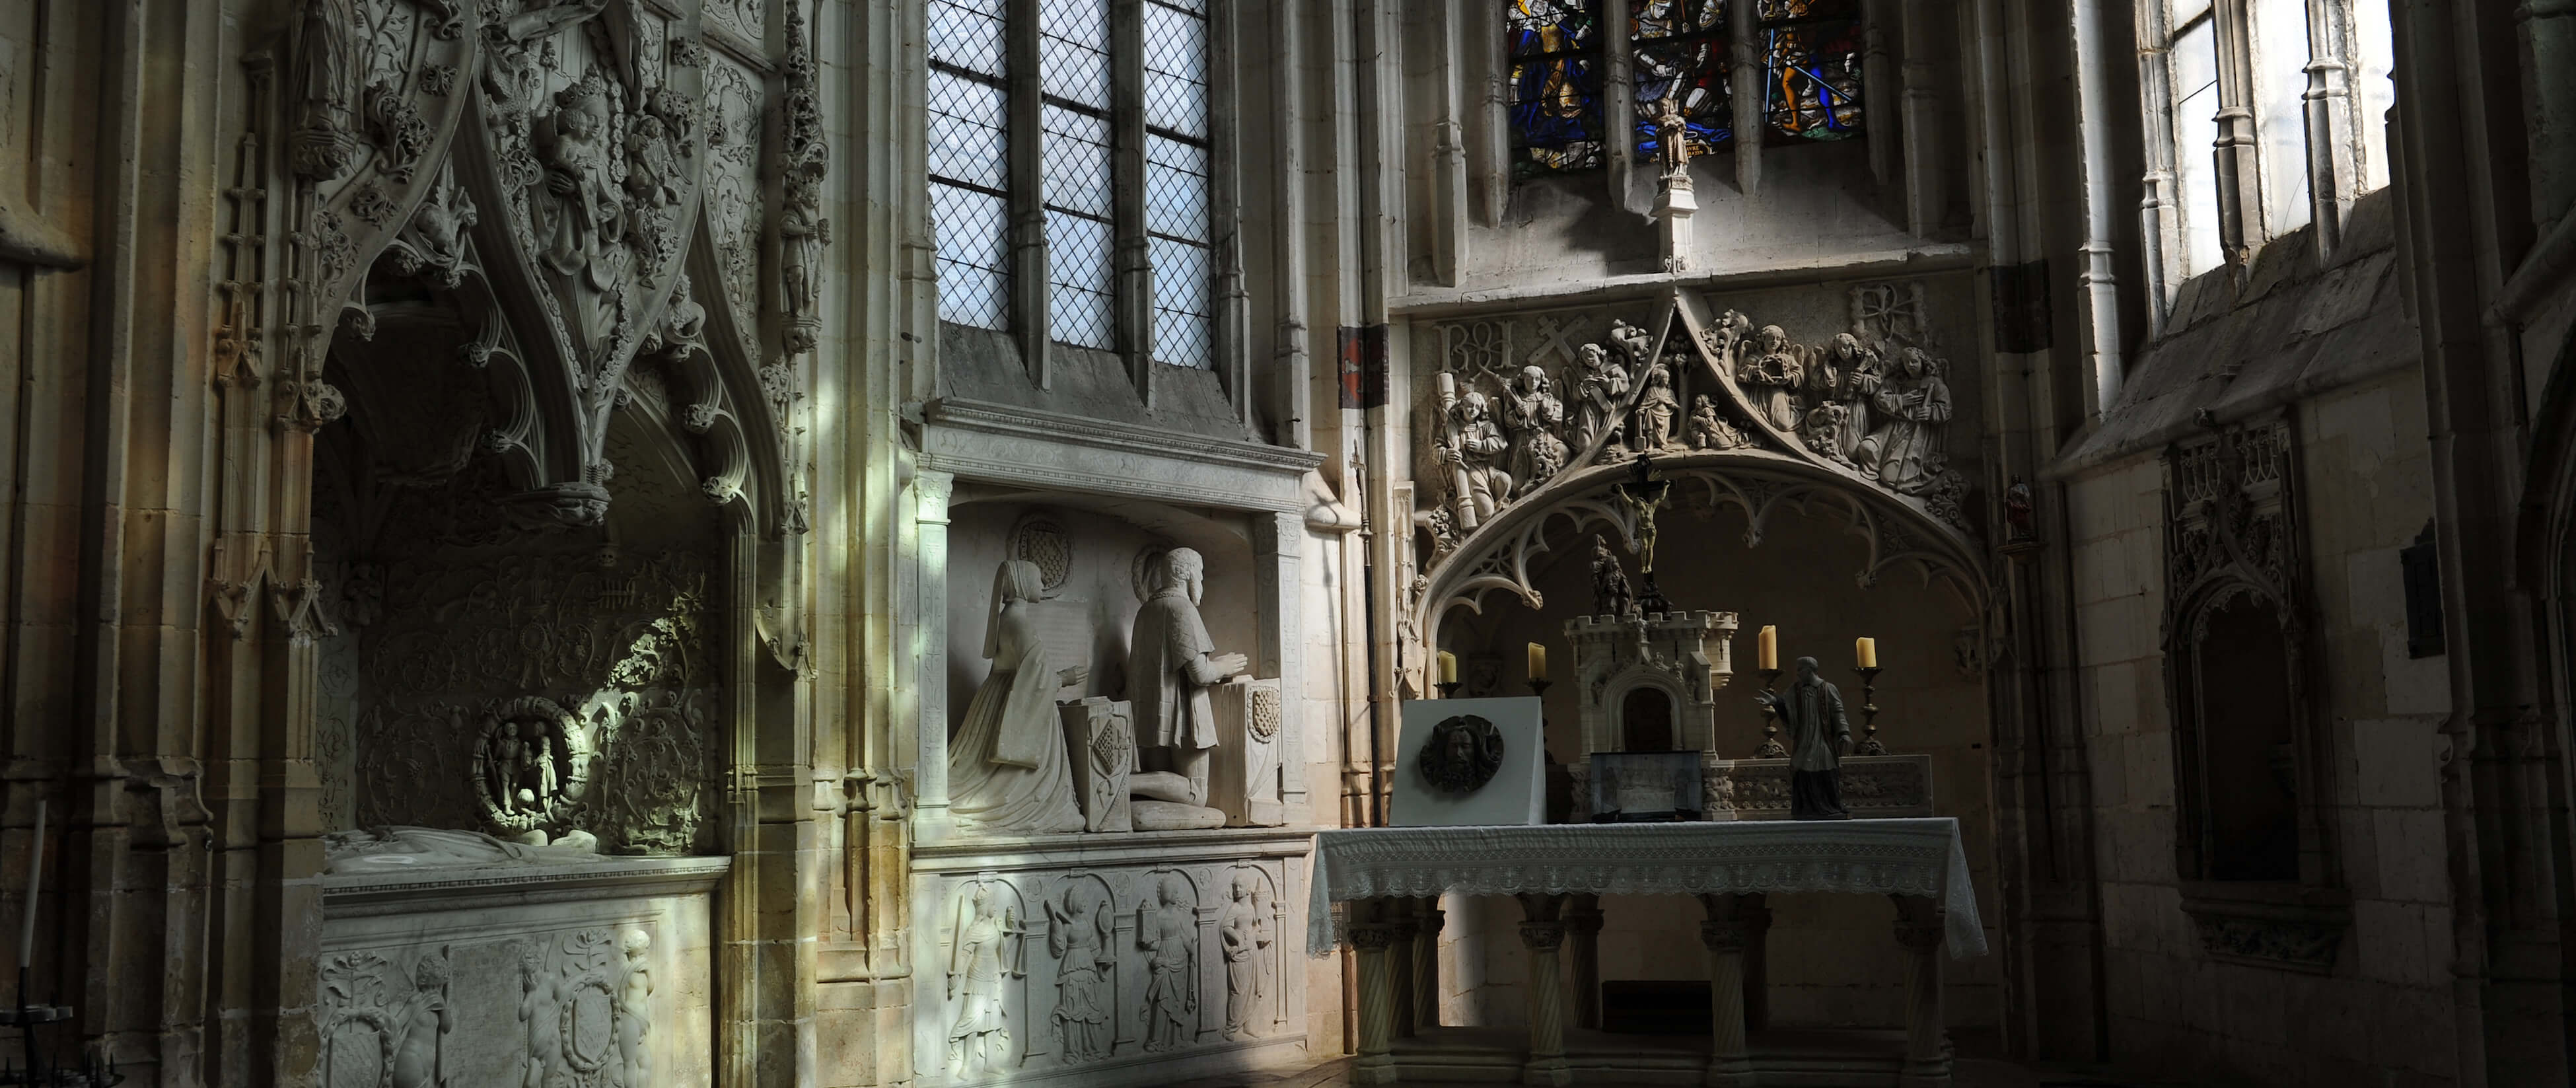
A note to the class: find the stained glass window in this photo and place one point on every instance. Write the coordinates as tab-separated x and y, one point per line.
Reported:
1811	68
1678	49
1073	115
1556	84
1176	181
970	161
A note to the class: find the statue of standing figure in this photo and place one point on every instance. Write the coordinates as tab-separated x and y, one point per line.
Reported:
1239	931
1610	594
1170	665
1819	736
1079	936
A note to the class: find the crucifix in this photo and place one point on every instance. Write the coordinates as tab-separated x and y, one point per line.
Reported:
1643	494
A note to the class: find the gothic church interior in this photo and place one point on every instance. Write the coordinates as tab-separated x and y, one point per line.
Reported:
932	543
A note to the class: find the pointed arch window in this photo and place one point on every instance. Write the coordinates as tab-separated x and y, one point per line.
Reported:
1555	77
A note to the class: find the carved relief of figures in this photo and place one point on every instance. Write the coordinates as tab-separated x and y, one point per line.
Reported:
1632	341
1709	430
1610	593
1168	930
986	951
1657	410
1601	390
1244	936
368	1035
541	1008
802	229
1079	934
1534	416
1859	375
420	1051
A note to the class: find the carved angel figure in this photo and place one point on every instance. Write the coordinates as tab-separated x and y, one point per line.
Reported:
1916	405
587	217
978	962
1657	411
1474	450
1168	931
652	170
1534	414
1772	376
1601	390
1709	431
1079	934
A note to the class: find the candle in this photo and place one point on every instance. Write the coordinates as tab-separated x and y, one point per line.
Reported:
35	880
1448	667
1770	648
1537	663
1867	651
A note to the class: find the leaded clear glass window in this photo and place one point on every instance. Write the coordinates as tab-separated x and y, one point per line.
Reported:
1555	85
2195	137
1679	49
1176	181
1073	116
970	161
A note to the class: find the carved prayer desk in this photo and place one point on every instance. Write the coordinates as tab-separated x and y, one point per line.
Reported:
1728	865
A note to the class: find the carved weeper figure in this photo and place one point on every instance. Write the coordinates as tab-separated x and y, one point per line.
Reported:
1169	668
1007	767
1168	931
1819	735
983	955
1240	933
1079	937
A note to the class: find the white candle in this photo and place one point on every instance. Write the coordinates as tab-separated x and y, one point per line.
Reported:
35	881
1767	646
1866	650
1538	662
1448	667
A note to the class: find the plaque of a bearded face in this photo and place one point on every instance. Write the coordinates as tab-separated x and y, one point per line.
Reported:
1462	754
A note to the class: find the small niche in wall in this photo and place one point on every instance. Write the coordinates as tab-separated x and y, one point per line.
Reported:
2420	565
2245	744
1646	720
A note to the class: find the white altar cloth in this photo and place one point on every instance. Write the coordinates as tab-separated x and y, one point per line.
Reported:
1920	856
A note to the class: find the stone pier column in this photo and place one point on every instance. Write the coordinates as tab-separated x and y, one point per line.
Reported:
1730	1061
1919	924
1542	932
1376	1062
1426	966
1583	959
1399	964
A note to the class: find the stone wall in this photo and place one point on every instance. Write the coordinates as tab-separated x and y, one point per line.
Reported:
2385	1002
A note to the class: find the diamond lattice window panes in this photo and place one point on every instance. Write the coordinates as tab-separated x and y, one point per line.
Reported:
970	161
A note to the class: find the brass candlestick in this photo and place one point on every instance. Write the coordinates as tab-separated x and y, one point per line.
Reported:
1448	690
1771	747
1539	688
1869	745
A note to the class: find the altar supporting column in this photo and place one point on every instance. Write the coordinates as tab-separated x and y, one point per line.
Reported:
1730	1062
1399	965
1542	931
1426	966
1583	959
1919	930
1376	1062
1753	911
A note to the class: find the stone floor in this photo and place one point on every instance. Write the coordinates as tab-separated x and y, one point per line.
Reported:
1970	1073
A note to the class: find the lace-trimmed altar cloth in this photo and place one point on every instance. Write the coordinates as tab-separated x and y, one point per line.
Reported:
1920	856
